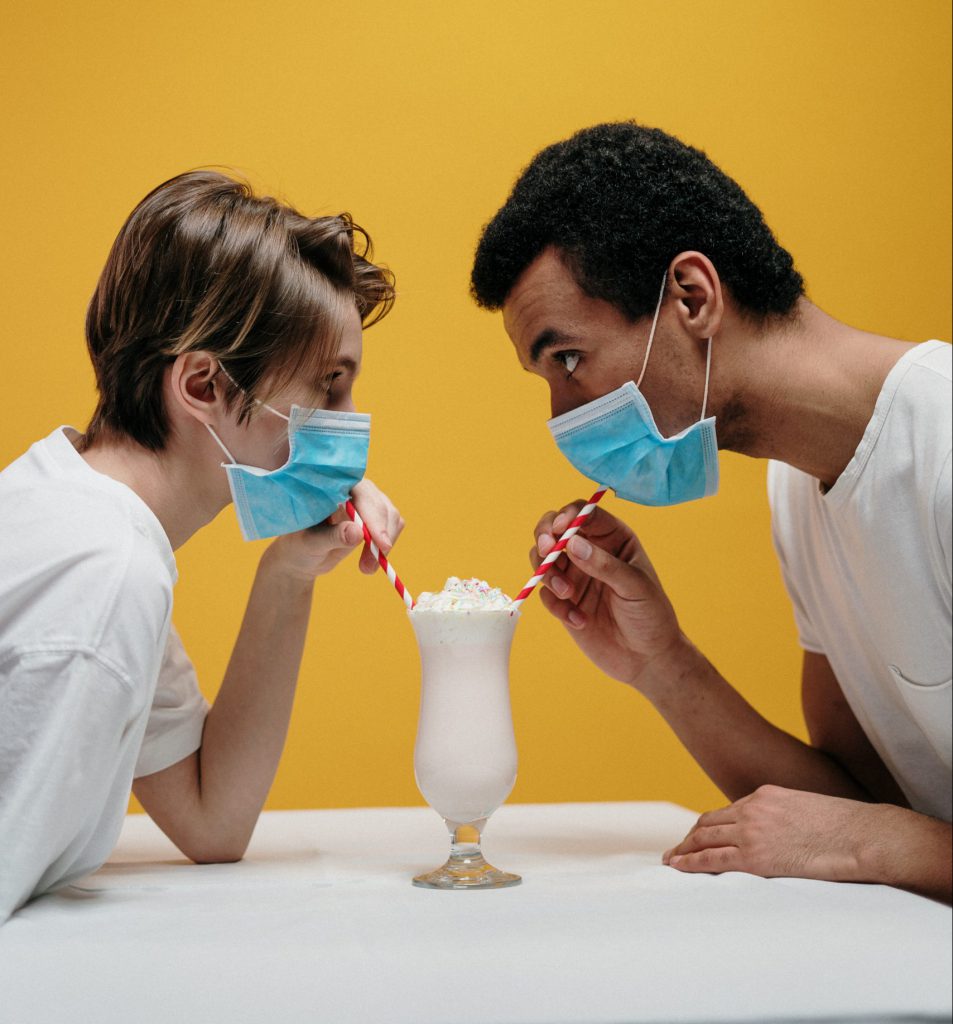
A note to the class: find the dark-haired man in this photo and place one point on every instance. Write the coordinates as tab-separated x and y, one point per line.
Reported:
643	285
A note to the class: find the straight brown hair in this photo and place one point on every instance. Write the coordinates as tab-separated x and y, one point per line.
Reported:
202	263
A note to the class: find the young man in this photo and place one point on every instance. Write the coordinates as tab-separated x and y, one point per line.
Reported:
223	324
644	286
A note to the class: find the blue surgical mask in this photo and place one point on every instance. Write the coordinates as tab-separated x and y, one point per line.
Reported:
327	457
614	441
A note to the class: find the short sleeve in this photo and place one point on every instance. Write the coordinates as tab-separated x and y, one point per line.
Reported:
177	717
780	500
943	516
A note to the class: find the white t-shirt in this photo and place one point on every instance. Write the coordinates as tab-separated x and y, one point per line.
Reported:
94	685
868	568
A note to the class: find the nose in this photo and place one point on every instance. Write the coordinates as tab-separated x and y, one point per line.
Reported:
561	401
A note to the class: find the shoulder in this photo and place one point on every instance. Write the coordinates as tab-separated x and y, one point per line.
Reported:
924	395
923	428
79	553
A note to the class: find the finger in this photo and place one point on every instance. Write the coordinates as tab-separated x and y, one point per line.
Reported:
328	537
627	581
566	515
561	565
552	525
544	527
712	862
545	543
721	816
704	838
391	528
602	523
569	582
562	610
348	535
368	563
339	515
534	558
395	525
375	519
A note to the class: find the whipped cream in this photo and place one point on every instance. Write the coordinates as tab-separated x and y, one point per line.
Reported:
458	595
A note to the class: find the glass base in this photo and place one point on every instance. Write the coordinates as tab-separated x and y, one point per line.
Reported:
467	869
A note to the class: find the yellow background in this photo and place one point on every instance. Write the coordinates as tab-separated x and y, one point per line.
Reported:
416	117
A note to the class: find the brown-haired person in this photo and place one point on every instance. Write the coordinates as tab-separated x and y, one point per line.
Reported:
223	322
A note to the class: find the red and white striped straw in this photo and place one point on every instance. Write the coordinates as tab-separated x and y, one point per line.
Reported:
381	559
546	564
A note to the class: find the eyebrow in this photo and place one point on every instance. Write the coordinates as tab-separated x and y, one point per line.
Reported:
548	338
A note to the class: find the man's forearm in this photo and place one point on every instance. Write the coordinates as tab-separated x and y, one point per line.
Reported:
737	748
911	851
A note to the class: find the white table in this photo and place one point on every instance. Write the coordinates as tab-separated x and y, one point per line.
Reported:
320	924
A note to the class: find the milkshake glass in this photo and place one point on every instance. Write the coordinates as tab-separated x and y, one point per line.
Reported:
465	755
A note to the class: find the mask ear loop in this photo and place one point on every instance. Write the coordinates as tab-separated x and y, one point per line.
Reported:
707	379
221	445
231	458
648	347
257	401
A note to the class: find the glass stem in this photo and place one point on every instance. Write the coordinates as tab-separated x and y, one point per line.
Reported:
465	849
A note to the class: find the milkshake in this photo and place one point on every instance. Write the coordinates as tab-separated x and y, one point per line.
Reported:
465	755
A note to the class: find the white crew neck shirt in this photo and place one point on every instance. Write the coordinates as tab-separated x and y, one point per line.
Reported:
868	569
94	684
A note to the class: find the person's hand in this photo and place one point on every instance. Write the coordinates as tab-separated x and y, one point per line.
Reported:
784	832
310	553
380	517
606	593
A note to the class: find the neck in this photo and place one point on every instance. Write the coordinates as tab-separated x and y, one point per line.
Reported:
182	494
802	391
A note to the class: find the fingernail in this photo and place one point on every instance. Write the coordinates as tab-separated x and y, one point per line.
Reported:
544	544
559	522
576	619
560	586
580	547
673	861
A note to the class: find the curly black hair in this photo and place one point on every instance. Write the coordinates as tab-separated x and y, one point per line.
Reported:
620	201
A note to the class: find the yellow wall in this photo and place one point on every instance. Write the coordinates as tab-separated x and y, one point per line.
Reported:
416	117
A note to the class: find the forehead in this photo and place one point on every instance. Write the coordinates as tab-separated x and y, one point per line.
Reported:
545	291
351	345
547	301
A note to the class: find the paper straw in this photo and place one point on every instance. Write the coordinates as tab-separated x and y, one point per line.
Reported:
546	564
381	560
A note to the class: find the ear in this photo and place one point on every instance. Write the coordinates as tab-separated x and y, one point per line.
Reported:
696	287
196	387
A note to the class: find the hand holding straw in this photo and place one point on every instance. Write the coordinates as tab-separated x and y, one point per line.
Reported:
546	564
381	559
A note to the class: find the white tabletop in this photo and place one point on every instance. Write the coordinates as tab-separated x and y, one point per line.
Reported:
320	923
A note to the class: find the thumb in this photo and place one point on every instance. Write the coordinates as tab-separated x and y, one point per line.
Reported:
626	580
329	537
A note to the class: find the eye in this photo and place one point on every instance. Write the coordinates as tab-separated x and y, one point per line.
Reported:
568	360
328	382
